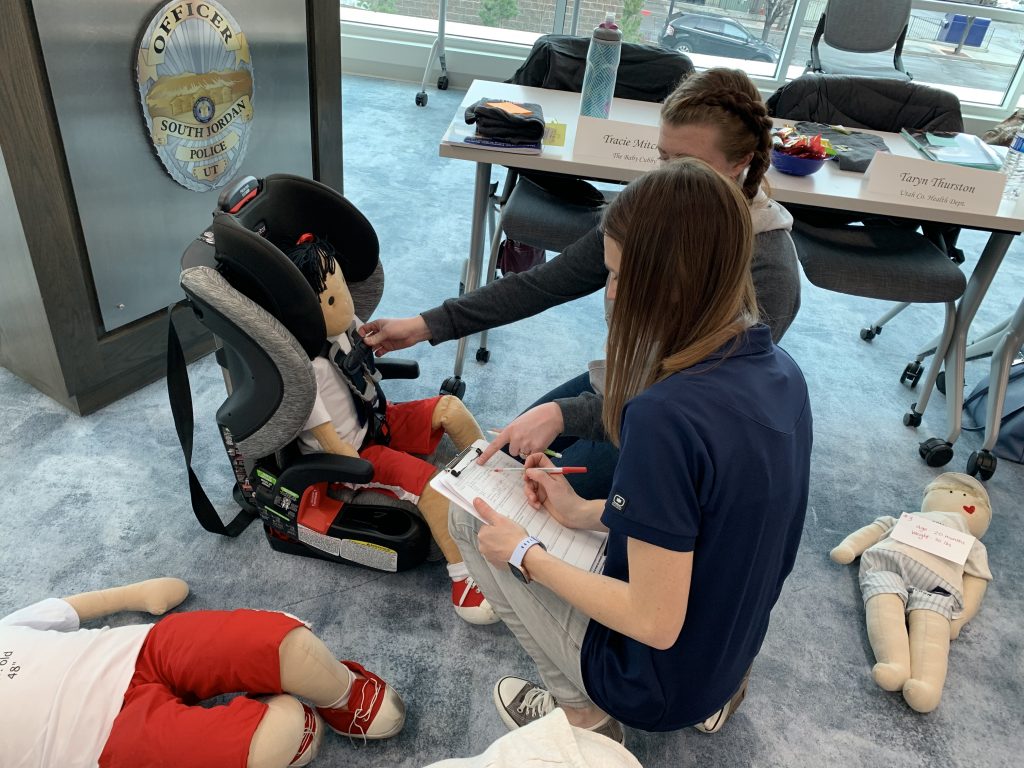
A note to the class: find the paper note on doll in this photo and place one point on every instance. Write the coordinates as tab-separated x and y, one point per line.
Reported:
941	540
463	480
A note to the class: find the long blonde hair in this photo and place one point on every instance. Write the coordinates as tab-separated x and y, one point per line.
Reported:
728	100
684	287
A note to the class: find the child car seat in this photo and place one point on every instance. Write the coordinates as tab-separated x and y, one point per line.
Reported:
242	287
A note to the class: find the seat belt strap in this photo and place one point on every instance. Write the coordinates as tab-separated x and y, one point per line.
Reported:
179	393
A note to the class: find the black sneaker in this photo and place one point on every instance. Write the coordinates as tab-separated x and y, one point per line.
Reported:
520	703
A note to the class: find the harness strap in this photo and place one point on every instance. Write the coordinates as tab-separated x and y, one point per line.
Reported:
179	393
363	381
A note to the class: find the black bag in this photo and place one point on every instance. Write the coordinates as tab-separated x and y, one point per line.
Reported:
1010	443
514	256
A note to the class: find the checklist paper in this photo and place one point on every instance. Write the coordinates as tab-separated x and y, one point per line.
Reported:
463	480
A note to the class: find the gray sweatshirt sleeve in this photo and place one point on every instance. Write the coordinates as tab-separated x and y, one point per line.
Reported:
776	274
581	416
576	272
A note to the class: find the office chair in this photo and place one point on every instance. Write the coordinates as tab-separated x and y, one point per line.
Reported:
872	256
863	26
858	102
551	211
267	319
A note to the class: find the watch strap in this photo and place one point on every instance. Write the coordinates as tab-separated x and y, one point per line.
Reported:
516	558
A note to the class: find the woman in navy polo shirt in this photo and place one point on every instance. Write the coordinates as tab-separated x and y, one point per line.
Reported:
708	497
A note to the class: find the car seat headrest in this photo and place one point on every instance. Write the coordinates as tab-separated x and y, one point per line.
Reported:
258	269
288	206
251	240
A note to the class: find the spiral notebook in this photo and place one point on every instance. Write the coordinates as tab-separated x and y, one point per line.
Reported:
463	480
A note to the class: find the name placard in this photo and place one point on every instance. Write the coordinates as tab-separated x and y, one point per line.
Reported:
922	533
931	184
615	143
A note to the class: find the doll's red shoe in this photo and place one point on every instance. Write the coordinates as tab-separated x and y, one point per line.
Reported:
470	603
312	735
374	710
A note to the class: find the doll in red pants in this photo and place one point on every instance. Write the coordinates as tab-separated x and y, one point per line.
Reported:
129	696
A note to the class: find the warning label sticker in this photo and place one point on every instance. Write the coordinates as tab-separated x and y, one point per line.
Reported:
369	554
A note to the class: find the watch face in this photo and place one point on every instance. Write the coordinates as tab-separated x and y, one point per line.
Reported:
518	573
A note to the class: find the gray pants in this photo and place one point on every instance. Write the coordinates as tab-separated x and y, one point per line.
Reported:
548	628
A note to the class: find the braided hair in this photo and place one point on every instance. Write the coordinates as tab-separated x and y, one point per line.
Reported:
316	259
729	100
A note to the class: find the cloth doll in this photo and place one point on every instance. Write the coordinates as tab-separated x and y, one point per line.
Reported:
350	417
916	602
129	696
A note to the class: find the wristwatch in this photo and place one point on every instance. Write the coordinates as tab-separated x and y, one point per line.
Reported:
515	560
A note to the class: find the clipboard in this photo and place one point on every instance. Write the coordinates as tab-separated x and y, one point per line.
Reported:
462	480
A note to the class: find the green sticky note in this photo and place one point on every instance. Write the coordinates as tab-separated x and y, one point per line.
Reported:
941	141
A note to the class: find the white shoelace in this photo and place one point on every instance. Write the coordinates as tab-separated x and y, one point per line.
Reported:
470	586
362	713
536	703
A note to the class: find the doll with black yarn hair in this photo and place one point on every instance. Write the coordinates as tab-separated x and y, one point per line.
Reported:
337	426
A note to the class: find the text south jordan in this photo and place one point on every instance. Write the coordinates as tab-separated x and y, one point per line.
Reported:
202	132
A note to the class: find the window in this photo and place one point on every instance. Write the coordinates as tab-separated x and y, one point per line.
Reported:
973	49
729	29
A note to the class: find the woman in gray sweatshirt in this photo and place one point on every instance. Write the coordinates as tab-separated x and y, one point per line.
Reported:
717	116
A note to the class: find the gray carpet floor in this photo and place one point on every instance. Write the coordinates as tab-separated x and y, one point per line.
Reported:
102	500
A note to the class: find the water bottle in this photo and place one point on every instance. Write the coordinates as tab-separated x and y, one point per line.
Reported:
602	66
1013	166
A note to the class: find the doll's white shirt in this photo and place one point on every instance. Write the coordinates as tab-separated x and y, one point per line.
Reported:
61	686
333	404
947	570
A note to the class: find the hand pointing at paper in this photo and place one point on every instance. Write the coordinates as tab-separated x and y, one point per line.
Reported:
499	537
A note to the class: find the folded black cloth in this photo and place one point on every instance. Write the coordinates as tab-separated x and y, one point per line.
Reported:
854	150
493	122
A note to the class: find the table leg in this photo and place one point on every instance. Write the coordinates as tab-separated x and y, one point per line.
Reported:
977	286
474	266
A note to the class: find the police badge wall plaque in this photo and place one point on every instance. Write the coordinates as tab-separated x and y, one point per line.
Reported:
195	83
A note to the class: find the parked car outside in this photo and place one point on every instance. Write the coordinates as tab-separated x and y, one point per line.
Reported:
716	36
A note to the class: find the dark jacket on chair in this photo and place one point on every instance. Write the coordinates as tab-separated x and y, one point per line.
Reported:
876	103
646	72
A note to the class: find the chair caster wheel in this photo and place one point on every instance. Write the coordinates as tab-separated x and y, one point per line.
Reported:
935	452
911	374
483	355
981	464
453	385
940	382
421	99
442	83
867	333
912	418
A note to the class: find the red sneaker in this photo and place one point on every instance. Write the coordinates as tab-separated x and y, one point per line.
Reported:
374	710
312	735
470	603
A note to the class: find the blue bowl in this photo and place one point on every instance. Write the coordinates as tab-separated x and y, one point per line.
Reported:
795	166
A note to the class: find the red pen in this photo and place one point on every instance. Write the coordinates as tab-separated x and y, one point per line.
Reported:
549	470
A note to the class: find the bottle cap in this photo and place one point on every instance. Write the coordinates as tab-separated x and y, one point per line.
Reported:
609	20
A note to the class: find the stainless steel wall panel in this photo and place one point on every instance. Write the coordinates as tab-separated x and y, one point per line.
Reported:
22	318
135	219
